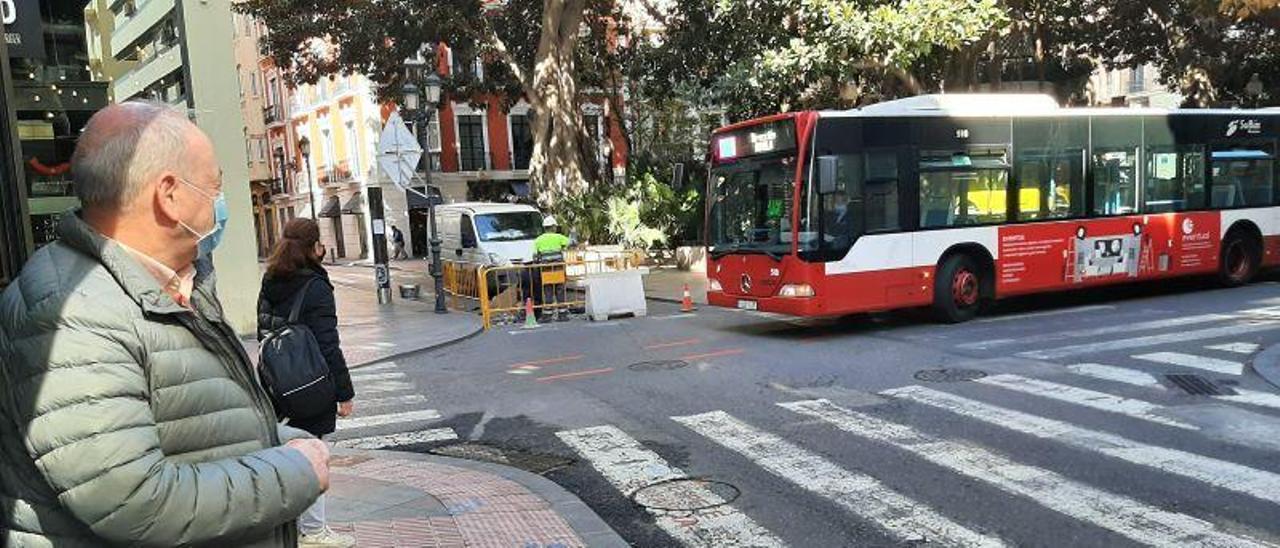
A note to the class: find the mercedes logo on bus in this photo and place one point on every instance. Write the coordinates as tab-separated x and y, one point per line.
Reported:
746	283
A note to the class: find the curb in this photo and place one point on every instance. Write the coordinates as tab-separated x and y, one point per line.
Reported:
1267	365
588	525
401	355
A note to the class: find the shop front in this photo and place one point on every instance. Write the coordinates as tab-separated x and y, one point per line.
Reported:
48	93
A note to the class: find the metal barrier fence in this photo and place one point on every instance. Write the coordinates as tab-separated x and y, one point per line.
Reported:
461	283
505	292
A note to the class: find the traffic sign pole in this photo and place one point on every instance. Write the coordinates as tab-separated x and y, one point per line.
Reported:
381	273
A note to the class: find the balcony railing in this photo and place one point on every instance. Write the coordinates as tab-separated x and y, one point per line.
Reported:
271	114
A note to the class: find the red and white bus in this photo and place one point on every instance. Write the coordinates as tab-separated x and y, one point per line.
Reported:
955	200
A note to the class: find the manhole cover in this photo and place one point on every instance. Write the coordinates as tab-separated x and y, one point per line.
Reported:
538	463
658	365
951	374
1199	386
686	494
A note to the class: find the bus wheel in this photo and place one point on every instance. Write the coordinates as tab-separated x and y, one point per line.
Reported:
957	290
1240	259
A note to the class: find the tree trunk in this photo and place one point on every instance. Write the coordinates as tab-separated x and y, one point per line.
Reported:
555	170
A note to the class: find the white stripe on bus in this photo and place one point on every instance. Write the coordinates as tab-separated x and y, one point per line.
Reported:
1125	516
1129	407
1151	340
629	466
906	519
1219	473
1213	365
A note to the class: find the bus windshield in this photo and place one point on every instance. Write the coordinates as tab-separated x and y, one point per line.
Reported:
751	206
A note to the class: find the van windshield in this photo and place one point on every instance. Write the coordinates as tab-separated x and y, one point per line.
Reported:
509	227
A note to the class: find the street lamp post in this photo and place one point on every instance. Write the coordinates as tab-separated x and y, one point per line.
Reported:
432	88
304	146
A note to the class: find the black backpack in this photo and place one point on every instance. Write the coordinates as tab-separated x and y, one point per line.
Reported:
293	370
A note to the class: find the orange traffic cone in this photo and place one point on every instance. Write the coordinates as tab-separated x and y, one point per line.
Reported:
686	304
530	318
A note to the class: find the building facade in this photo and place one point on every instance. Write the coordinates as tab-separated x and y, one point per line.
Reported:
168	50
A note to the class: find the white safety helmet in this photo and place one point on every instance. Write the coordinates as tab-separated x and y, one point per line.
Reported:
549	221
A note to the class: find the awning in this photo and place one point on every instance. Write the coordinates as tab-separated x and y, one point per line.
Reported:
332	207
354	206
416	201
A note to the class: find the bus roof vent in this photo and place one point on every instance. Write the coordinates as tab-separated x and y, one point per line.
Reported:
971	104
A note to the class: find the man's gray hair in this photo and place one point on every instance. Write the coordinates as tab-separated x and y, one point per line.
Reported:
125	146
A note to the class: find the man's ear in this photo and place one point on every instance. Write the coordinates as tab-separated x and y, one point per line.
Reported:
165	190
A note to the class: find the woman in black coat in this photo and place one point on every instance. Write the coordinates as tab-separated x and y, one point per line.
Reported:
295	261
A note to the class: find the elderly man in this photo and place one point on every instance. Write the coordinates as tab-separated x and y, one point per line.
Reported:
129	412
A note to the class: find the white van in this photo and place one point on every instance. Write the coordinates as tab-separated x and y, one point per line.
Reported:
488	233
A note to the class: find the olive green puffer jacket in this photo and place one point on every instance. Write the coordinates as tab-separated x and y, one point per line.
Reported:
126	419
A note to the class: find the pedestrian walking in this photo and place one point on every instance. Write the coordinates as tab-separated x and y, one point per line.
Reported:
296	280
129	414
397	241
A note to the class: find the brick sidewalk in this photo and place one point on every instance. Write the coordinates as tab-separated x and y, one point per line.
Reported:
388	499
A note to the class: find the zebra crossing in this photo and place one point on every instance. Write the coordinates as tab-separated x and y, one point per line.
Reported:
1130	389
387	399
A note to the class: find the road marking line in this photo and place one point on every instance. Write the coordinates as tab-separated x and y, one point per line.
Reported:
1215	365
378	387
685	342
675	316
1097	331
1116	374
389	418
1138	378
1046	313
412	399
520	371
629	467
1227	475
861	495
1236	347
403	438
378	367
376	377
1253	397
548	361
574	375
1151	340
1138	409
1126	516
729	352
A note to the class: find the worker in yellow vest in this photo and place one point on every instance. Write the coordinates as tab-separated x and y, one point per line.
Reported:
549	248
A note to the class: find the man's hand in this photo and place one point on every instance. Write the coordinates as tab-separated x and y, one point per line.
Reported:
317	452
346	408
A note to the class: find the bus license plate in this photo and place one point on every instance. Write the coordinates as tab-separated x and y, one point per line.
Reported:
747	305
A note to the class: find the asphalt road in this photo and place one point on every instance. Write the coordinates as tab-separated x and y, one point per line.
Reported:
1048	422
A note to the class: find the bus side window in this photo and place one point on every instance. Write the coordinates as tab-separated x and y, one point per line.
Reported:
1242	176
1174	179
1050	184
880	192
1115	181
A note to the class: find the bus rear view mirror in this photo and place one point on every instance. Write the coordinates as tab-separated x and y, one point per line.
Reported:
827	174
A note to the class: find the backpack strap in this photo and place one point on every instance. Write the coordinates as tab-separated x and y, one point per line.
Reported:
297	302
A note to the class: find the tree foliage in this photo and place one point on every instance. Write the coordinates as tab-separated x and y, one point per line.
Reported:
1206	49
543	51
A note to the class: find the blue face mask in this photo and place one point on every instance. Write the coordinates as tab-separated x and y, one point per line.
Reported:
209	240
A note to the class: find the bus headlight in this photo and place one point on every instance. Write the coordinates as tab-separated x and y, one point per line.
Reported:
796	290
714	285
